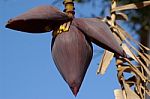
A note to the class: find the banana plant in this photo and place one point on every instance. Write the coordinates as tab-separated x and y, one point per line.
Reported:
72	40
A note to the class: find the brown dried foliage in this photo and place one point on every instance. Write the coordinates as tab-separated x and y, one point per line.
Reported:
136	63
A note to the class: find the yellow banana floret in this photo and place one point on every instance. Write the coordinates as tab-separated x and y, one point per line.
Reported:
63	28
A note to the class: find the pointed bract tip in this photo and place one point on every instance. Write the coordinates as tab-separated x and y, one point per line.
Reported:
75	90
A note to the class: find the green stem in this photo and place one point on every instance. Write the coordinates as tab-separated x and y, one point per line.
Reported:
69	7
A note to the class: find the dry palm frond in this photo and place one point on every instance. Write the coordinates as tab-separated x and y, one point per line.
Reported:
139	74
131	6
105	61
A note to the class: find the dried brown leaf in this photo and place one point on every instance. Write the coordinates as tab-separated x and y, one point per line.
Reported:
136	71
147	55
144	66
121	30
138	87
128	51
131	6
124	68
118	94
146	48
121	16
147	91
130	93
123	36
118	31
131	81
139	61
105	61
124	94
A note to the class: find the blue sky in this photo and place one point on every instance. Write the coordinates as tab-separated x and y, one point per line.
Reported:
27	70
